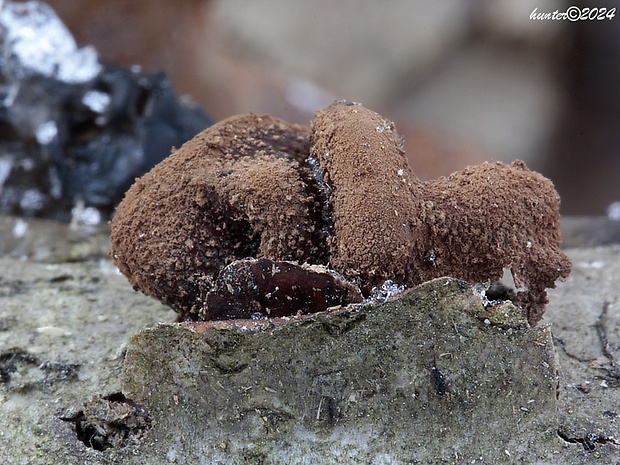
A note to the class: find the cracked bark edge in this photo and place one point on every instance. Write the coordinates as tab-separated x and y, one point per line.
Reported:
601	329
589	440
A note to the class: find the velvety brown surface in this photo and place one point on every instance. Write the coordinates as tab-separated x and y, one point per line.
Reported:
342	196
470	225
236	190
490	217
371	191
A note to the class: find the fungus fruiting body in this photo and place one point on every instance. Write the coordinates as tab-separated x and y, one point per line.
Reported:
336	210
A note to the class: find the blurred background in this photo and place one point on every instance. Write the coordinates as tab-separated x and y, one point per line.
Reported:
464	81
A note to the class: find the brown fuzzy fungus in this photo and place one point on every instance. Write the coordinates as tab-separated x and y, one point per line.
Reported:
239	189
340	195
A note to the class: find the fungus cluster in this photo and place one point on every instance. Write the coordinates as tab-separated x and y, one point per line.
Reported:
259	217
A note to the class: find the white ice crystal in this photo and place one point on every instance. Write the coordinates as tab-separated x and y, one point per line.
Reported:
35	41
